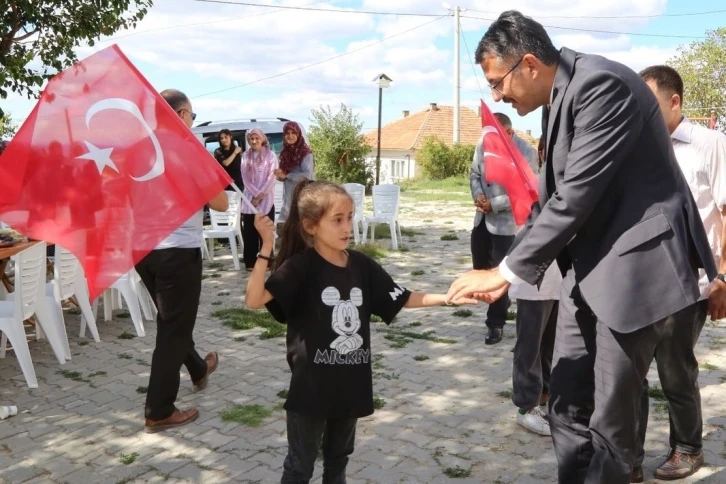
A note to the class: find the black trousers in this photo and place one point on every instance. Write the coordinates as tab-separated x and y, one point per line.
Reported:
304	436
251	238
678	374
173	277
487	251
532	361
595	392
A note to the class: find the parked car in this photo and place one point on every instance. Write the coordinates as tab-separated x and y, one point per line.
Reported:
272	127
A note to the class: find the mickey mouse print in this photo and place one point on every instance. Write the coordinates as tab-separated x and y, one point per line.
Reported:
346	324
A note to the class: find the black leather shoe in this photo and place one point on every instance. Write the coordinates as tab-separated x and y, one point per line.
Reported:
494	336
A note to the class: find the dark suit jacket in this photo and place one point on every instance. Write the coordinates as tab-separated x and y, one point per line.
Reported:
614	205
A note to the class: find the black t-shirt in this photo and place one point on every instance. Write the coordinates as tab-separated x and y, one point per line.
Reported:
328	311
234	170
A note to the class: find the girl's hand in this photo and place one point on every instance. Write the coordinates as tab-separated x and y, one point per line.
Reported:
266	228
462	301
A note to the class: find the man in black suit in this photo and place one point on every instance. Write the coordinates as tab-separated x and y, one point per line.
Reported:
619	218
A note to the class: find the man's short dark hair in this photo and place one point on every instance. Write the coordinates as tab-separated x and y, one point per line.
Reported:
512	36
175	98
503	120
665	78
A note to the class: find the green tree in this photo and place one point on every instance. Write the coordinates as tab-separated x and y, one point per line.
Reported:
702	65
439	161
45	32
338	146
7	126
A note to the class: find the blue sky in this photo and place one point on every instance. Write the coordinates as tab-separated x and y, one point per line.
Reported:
206	47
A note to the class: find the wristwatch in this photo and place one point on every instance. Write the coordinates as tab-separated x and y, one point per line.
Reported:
721	277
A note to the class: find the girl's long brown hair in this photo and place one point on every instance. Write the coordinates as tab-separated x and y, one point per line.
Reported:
310	201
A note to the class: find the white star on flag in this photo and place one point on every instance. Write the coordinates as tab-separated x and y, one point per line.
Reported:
100	156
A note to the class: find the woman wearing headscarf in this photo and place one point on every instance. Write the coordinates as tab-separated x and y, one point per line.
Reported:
258	166
296	163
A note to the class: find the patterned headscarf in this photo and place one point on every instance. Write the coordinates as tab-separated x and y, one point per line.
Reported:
292	155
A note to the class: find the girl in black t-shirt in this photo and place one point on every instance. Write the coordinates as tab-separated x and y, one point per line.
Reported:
326	294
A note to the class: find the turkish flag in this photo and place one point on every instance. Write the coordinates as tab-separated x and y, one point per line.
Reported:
506	166
105	168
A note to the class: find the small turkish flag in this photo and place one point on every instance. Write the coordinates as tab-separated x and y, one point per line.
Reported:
506	166
105	168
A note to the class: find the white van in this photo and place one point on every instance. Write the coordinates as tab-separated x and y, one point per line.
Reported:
272	127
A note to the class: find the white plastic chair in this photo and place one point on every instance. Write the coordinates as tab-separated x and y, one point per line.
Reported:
70	281
130	289
28	300
279	201
226	225
385	211
358	193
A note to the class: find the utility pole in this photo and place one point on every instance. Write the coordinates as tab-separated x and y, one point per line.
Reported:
457	75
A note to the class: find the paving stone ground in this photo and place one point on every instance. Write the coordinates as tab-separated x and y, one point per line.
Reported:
447	414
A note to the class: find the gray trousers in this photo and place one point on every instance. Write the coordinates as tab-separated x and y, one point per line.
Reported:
678	374
595	392
532	362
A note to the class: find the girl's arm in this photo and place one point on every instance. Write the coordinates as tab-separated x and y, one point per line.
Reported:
423	300
304	171
256	295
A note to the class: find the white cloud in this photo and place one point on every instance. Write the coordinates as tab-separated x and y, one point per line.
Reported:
209	47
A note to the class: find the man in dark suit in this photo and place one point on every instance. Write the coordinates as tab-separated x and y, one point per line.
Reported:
617	215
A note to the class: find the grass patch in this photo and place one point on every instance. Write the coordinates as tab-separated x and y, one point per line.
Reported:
84	342
127	335
240	338
124	356
215	265
457	472
247	415
282	394
376	319
418	272
124	315
453	184
428	220
415	324
72	375
383	231
449	237
215	275
656	393
511	315
97	373
374	251
463	313
661	408
378	402
505	394
142	362
223	293
420	357
404	248
216	303
238	319
708	367
128	459
403	337
142	390
449	222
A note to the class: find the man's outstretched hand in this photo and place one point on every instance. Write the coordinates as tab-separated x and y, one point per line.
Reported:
484	285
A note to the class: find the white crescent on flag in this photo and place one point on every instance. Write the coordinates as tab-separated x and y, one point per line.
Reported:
102	157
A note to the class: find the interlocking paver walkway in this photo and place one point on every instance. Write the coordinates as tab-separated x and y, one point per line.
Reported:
447	410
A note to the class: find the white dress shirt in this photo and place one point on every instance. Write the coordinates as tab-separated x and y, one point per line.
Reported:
701	154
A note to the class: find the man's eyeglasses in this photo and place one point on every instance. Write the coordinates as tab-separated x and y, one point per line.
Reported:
193	115
495	87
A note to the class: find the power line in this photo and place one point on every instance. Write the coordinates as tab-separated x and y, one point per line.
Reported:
468	53
667	36
685	14
336	10
112	39
322	61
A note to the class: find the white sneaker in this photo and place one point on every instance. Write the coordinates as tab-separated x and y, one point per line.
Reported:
534	421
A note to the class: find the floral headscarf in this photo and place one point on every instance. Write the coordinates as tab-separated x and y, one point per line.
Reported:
292	155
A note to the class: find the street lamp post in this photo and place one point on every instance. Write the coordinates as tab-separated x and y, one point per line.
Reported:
383	82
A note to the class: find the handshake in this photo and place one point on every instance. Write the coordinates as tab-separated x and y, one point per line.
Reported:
483	204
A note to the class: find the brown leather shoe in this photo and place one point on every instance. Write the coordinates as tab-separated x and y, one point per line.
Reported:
637	474
679	465
212	360
177	419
